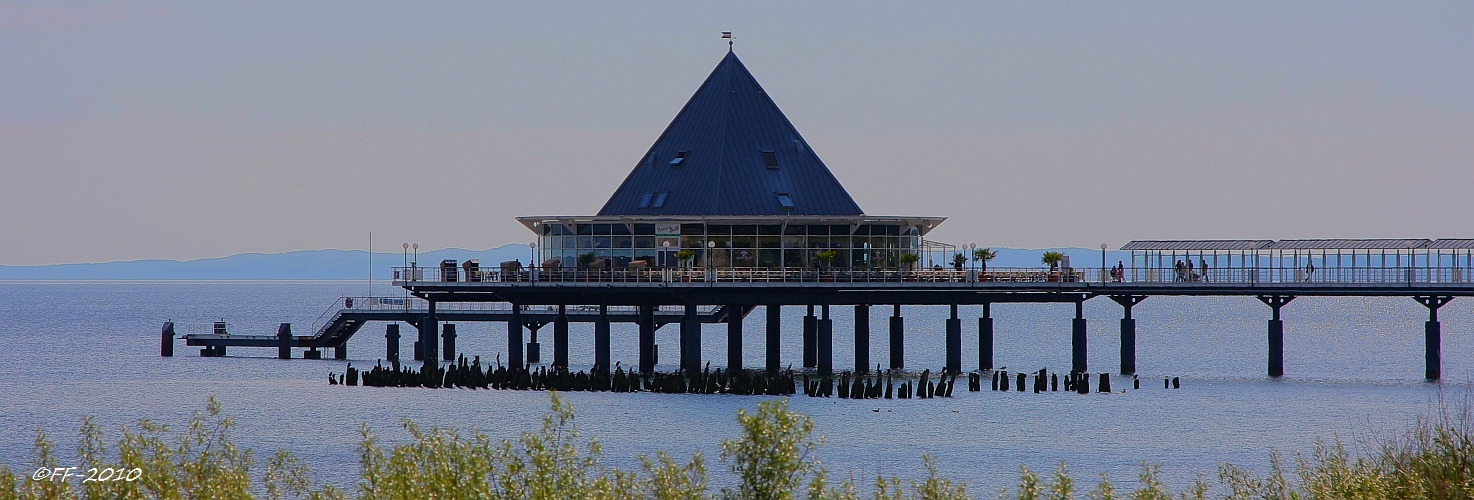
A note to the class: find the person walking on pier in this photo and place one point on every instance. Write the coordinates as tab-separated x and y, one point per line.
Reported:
1309	270
1181	271
1203	267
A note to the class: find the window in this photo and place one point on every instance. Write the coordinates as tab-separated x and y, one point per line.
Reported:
680	157
645	200
770	159
785	201
659	200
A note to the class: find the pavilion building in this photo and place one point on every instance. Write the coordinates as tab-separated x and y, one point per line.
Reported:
732	181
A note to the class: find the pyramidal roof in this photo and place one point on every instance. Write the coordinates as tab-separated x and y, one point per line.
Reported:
730	151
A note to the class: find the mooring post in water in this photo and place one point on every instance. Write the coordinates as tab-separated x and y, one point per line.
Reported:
284	341
514	338
734	338
985	338
1128	331
601	340
825	343
647	338
391	342
1433	336
1276	333
690	341
898	339
775	338
1077	338
448	336
954	342
166	340
811	327
560	337
862	338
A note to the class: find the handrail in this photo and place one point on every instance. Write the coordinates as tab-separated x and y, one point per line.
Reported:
1225	275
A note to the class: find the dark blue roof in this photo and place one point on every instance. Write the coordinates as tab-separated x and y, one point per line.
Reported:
730	134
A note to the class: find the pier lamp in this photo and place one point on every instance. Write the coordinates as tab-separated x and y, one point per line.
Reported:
1102	256
665	253
711	247
533	247
972	256
416	246
406	254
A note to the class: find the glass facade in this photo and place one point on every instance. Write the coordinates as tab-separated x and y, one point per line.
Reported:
856	246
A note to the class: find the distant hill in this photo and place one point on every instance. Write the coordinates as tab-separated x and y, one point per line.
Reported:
298	265
353	264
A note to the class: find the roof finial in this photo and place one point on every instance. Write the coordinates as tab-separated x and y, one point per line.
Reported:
729	37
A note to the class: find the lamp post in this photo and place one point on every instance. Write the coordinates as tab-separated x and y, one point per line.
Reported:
416	247
406	256
533	247
971	249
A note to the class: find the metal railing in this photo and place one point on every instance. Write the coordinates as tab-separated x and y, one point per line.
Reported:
1259	275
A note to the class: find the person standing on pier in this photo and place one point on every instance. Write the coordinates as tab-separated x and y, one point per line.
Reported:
1203	266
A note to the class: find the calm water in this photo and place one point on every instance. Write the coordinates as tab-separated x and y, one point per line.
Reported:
1354	369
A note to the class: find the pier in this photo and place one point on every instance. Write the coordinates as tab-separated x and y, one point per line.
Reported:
731	211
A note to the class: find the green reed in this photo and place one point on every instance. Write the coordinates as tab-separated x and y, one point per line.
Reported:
773	457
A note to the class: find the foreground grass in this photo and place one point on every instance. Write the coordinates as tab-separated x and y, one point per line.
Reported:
773	458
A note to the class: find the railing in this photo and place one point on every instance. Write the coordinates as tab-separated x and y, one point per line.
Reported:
416	304
1186	276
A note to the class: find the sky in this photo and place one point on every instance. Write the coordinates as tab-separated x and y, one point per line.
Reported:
186	130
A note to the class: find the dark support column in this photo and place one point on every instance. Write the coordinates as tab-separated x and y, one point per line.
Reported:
1128	332
391	342
734	338
775	324
428	328
340	351
166	340
448	336
1276	333
862	338
811	326
284	341
824	342
601	340
647	338
534	348
985	338
690	341
1077	339
1433	337
514	338
954	342
560	337
898	339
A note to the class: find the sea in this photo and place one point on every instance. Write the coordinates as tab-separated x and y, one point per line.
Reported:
1353	372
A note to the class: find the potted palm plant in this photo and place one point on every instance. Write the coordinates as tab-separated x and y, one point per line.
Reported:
684	258
982	256
908	263
1052	259
958	260
826	259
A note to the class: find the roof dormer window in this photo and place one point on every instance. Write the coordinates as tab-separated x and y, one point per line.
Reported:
680	158
770	160
645	199
784	201
659	200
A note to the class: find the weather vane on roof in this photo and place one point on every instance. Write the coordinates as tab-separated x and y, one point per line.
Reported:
729	37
